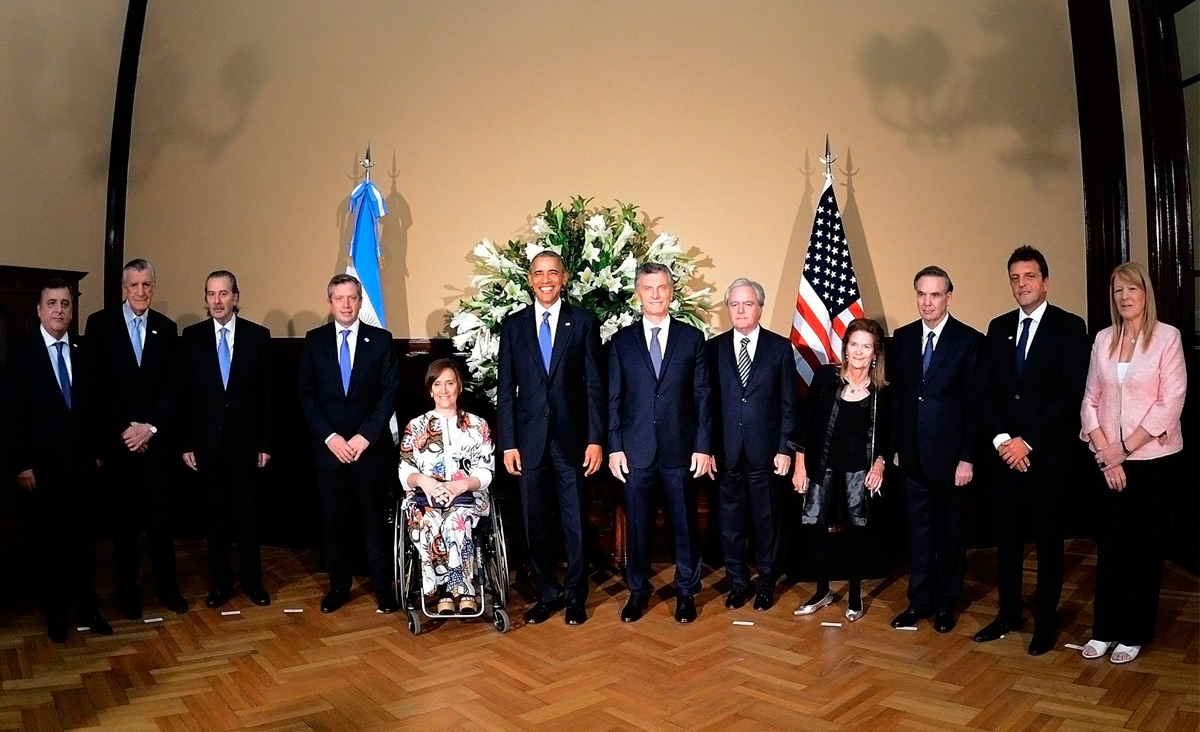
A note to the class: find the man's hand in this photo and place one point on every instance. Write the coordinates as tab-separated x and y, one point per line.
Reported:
26	480
618	466
189	459
702	465
1114	476
263	459
512	462
593	458
136	436
358	444
964	473
341	449
1015	454
783	463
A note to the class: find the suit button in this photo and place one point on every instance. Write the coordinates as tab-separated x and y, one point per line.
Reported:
920	399
1018	396
743	399
739	424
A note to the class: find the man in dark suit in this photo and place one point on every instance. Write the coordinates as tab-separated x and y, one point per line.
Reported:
135	351
50	447
754	385
347	385
660	434
935	431
550	405
227	390
1032	375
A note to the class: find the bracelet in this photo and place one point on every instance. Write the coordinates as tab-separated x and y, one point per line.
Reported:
1125	450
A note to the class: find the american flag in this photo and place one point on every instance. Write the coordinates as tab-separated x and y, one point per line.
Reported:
828	298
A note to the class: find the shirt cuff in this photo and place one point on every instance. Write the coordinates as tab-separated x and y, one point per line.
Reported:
331	436
1002	437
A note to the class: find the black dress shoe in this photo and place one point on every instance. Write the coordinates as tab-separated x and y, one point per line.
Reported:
218	597
333	600
576	614
131	604
57	632
259	597
540	612
995	630
174	602
96	622
634	609
387	605
685	609
737	597
943	621
1043	639
909	618
764	599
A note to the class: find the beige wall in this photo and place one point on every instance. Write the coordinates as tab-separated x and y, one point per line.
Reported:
955	122
58	75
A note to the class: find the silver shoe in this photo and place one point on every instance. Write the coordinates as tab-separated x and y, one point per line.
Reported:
810	609
853	615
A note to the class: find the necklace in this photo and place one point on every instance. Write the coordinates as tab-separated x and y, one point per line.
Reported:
856	389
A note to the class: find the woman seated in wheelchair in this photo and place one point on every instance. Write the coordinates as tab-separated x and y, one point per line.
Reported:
446	464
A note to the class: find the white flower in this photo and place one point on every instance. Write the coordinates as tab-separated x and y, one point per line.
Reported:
664	249
628	267
593	228
608	328
590	252
605	279
487	251
465	321
625	318
623	238
540	227
533	249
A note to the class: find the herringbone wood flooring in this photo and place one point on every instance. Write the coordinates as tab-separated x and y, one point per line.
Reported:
267	670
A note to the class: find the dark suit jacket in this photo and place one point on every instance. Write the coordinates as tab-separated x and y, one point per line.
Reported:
241	416
568	403
128	392
1042	406
936	422
40	433
669	417
372	399
760	416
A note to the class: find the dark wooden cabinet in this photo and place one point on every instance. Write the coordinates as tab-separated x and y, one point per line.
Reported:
20	290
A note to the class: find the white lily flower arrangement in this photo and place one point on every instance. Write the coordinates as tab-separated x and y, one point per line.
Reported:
602	248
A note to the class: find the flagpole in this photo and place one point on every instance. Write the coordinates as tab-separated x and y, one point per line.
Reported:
367	163
828	158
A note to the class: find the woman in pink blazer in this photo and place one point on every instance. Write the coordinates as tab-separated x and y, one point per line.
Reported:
1131	407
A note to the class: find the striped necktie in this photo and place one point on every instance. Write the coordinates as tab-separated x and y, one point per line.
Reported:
744	360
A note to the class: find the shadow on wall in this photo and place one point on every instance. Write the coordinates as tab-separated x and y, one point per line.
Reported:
784	309
284	325
73	94
860	250
917	89
165	116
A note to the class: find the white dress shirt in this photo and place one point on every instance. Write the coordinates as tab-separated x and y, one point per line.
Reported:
231	326
353	339
936	330
130	317
751	347
662	334
52	350
539	311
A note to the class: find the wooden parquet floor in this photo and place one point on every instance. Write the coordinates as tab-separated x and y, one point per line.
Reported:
358	670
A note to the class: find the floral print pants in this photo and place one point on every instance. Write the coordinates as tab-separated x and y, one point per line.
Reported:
446	548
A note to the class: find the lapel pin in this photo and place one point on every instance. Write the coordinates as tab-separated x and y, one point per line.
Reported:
154	332
366	340
567	324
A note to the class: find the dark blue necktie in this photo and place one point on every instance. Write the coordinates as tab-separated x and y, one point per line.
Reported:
344	359
927	356
224	357
64	378
655	352
1022	342
544	340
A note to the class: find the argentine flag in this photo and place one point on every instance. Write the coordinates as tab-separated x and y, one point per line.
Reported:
367	205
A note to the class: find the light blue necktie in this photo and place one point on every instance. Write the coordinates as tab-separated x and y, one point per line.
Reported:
64	377
655	352
136	338
1022	342
344	358
927	357
544	340
223	357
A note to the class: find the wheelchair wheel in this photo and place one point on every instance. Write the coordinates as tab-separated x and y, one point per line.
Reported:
500	620
497	561
403	563
414	622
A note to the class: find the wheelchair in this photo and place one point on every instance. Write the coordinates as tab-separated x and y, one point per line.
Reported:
491	577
